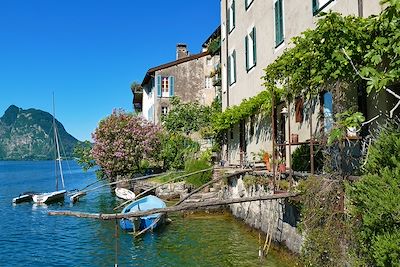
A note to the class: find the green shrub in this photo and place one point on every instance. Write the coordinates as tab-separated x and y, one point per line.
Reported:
196	165
375	200
301	159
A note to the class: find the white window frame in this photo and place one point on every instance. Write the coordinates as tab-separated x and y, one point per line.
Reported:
165	86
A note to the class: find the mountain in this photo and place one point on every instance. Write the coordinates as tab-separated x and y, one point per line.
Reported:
28	135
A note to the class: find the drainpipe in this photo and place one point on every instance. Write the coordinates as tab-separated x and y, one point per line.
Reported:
226	66
360	8
227	51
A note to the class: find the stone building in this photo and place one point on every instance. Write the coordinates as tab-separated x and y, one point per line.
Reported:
187	78
253	34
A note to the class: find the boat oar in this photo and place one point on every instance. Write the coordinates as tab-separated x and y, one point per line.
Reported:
154	187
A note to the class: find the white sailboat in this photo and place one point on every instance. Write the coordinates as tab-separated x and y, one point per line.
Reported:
58	195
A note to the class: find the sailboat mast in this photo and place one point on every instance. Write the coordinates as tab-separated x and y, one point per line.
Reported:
57	144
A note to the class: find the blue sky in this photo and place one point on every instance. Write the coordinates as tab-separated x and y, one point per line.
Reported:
89	52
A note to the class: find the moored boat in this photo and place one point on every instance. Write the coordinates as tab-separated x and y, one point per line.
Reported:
124	193
24	197
51	197
140	223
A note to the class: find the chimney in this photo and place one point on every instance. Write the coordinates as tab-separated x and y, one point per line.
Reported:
181	51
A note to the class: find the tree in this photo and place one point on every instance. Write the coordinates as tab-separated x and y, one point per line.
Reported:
186	118
376	203
122	141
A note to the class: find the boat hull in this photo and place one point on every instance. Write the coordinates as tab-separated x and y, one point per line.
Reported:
137	224
22	198
51	197
124	193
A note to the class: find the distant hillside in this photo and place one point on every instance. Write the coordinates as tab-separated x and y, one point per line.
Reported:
28	135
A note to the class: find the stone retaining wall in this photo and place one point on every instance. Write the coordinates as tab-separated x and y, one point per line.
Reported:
278	214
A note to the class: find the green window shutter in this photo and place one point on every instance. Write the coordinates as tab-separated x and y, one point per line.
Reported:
246	45
234	65
228	21
158	85
229	70
246	3
315	6
233	14
254	47
171	85
278	22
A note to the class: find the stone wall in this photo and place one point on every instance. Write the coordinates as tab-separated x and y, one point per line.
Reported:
278	214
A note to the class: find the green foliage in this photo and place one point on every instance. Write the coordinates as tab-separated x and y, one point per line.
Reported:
83	155
176	149
194	165
323	221
375	200
345	120
234	114
186	118
214	46
251	180
301	158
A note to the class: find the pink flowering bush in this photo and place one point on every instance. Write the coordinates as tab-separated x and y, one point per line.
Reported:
122	141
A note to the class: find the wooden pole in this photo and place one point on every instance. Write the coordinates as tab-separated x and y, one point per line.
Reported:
311	139
273	141
290	145
182	207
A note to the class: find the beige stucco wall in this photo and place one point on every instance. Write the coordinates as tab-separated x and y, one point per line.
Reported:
297	18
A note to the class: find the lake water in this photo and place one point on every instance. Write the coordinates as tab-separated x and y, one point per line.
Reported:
30	237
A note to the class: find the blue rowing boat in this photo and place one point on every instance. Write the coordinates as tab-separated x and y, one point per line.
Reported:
140	223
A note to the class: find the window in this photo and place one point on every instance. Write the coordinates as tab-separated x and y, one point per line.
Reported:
250	47
231	15
279	36
165	86
248	3
318	5
328	111
164	110
232	68
252	124
231	133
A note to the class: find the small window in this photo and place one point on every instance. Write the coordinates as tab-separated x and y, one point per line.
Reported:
328	111
231	15
248	3
232	68
231	133
250	47
164	86
279	31
164	110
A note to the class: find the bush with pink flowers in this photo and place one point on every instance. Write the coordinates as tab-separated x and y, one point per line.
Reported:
122	141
